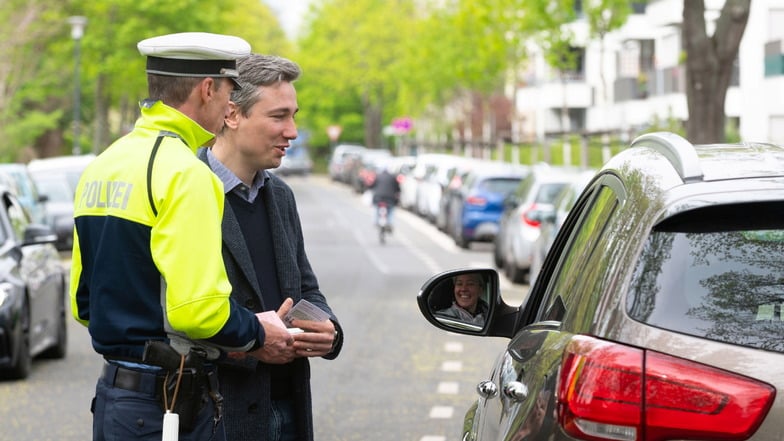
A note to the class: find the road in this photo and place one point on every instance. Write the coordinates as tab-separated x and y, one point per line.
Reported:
397	378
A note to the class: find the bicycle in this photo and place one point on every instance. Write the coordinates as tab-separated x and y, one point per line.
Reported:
382	221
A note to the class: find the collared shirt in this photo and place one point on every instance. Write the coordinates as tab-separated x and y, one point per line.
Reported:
231	183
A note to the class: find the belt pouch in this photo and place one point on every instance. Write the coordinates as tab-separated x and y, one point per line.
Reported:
191	396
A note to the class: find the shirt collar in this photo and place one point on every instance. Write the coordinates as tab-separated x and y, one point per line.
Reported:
231	183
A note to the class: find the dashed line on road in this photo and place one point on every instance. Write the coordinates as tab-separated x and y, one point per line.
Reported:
453	347
432	438
448	387
442	412
452	366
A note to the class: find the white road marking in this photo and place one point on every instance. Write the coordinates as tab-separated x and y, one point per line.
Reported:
453	346
442	412
452	366
449	387
432	438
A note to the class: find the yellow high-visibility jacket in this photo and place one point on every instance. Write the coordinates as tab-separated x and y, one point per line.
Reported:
143	240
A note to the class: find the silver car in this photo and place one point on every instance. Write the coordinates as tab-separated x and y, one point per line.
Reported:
522	218
657	314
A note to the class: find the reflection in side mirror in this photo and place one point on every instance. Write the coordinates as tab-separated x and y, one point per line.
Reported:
467	302
459	300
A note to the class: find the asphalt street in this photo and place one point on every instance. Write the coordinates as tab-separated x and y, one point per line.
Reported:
397	378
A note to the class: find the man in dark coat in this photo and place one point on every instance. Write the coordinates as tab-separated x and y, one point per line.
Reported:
265	257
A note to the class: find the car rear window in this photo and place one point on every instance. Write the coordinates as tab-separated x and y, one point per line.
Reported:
715	273
499	185
548	192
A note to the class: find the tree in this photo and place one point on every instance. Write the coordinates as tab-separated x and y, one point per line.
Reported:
709	65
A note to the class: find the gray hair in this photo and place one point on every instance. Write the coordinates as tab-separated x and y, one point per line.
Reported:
261	70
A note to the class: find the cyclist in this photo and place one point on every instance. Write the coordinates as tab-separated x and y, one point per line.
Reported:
386	189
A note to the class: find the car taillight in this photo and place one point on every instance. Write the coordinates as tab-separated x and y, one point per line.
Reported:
476	200
526	216
608	391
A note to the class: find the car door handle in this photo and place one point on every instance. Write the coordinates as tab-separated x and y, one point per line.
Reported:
487	389
516	390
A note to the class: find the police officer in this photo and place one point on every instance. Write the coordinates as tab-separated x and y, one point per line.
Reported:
146	263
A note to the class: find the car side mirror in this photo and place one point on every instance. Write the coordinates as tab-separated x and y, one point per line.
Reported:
37	234
467	301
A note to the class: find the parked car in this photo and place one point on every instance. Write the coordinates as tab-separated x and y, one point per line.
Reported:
477	206
340	159
656	314
432	187
410	191
32	291
57	178
22	184
553	219
365	166
296	162
522	216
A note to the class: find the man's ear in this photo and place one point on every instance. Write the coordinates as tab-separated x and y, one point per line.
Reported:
207	88
232	116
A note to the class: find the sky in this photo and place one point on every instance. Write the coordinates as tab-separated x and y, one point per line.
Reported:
290	13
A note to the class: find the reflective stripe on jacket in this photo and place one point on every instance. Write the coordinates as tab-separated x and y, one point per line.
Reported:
123	249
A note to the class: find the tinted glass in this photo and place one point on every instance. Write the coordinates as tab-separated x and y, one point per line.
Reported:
724	282
17	215
499	185
548	192
578	254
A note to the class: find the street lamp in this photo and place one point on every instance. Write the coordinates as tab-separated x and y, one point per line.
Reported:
77	31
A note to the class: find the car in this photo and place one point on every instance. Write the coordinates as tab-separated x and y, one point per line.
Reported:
411	189
477	206
296	162
56	177
657	312
522	215
553	219
32	291
19	180
432	187
364	166
340	160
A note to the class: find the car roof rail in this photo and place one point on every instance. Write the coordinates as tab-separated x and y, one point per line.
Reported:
677	150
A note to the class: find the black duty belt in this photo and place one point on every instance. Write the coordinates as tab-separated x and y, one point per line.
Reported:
149	383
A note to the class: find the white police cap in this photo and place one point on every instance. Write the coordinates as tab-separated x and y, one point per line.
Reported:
194	54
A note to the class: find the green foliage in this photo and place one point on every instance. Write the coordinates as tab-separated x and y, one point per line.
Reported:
37	61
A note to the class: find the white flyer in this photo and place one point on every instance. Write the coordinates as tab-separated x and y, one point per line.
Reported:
304	310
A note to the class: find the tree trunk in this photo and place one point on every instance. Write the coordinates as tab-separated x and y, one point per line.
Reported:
709	66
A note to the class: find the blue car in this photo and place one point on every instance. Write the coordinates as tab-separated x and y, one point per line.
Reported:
477	206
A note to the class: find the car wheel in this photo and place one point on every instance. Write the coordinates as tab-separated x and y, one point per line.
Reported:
498	257
461	241
59	349
24	360
514	273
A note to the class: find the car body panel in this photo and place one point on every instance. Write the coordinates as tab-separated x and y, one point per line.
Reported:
477	206
57	177
659	259
32	308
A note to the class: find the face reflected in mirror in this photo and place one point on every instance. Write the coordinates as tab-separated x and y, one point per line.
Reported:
462	298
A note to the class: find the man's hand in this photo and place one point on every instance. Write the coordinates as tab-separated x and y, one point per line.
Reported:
278	344
317	339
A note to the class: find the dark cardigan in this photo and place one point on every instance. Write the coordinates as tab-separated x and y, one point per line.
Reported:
245	384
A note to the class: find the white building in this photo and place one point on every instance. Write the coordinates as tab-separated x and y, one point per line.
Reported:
634	77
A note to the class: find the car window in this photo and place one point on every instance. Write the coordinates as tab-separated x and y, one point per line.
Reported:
577	254
17	215
548	192
499	185
723	282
